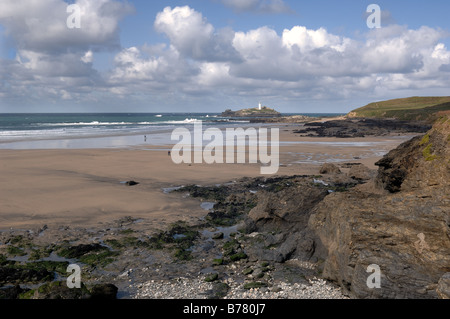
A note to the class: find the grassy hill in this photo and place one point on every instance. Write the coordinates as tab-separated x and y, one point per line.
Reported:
413	108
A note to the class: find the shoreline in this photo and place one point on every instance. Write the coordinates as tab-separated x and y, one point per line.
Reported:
45	185
78	196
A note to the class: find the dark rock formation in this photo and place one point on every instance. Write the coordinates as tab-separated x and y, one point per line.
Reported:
58	290
285	212
12	275
255	112
402	225
287	207
80	250
394	167
282	119
349	128
443	289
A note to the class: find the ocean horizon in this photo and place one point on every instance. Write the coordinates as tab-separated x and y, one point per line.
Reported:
91	130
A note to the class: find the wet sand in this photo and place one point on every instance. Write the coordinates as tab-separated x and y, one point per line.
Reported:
84	187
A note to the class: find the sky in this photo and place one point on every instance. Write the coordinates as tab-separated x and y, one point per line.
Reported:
211	55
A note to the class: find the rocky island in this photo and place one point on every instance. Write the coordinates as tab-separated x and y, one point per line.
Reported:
263	114
262	111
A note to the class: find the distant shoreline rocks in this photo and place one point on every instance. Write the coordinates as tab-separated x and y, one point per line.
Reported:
266	115
252	112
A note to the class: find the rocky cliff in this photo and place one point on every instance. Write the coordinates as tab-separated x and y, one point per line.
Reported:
399	221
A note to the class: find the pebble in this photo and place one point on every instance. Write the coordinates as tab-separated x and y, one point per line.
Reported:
183	288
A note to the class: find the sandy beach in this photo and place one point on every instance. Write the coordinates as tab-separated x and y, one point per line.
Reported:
84	187
74	205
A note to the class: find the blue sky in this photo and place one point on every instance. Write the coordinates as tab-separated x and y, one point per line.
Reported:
208	55
344	17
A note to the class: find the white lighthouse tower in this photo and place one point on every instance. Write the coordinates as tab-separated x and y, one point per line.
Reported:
260	106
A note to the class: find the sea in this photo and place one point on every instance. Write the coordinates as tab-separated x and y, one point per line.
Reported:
104	130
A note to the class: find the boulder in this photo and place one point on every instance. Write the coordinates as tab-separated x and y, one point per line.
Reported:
218	235
276	210
361	173
443	288
59	290
329	168
395	166
298	244
403	234
286	213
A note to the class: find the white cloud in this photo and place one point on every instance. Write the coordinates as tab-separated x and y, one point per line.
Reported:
396	49
63	65
307	40
301	53
201	61
41	26
186	29
214	75
137	70
55	59
300	63
297	54
193	36
88	57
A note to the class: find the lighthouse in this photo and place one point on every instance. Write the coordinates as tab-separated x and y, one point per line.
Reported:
260	106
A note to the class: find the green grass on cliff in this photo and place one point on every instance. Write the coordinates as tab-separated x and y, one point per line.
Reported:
413	108
264	110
